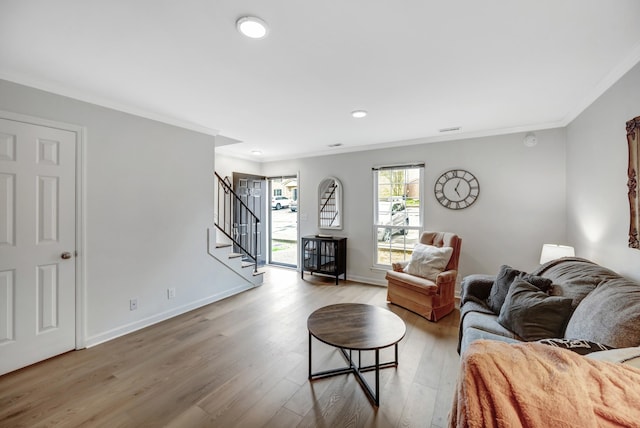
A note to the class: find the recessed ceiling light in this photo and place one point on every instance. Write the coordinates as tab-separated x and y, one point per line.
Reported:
256	152
252	27
358	114
335	145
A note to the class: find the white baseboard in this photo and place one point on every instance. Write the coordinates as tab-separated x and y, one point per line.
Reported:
154	319
367	280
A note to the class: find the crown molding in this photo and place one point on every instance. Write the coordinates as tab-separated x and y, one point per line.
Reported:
103	102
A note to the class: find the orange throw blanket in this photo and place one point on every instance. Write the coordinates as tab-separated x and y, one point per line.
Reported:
536	385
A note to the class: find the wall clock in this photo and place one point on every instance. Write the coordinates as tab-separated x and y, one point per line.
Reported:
457	189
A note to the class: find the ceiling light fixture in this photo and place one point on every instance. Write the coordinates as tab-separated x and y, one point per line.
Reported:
335	145
252	27
359	114
256	152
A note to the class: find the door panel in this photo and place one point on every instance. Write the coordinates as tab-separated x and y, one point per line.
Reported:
6	306
250	189
37	225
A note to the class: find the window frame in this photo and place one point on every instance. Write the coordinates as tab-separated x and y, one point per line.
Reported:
406	248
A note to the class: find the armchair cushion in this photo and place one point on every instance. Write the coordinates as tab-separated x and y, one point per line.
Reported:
416	283
427	261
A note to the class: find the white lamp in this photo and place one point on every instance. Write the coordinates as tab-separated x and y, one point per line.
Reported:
555	251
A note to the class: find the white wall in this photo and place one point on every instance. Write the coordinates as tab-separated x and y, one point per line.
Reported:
149	202
521	203
227	165
597	160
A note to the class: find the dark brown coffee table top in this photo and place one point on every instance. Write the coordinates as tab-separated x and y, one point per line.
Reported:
356	326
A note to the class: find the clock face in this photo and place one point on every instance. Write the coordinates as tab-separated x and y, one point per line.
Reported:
457	189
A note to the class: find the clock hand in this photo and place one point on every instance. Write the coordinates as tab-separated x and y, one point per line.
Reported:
456	188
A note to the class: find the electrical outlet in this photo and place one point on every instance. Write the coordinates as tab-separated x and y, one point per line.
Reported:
133	304
171	293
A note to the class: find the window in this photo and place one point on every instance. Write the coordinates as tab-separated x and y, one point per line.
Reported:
277	192
397	221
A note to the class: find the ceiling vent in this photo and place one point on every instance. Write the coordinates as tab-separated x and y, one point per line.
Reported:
453	128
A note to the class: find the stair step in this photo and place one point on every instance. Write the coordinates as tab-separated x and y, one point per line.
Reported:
258	273
247	264
222	245
234	255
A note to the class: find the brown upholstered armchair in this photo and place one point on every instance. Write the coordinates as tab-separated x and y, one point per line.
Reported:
432	300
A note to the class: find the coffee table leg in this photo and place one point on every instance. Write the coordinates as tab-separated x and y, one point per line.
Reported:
309	355
377	397
356	370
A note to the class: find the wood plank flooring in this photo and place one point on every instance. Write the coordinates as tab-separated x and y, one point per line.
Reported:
240	362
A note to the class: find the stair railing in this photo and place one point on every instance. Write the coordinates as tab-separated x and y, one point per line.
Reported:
229	205
327	217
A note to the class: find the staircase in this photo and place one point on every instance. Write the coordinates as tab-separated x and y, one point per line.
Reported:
223	252
328	206
237	251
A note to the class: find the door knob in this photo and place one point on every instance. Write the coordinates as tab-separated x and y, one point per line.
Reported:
66	255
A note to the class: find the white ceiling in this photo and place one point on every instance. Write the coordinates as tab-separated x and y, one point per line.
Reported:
489	66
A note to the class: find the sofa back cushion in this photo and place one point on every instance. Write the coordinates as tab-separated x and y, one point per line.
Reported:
444	239
610	314
575	269
575	277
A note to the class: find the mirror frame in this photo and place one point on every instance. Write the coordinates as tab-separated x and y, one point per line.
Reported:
322	188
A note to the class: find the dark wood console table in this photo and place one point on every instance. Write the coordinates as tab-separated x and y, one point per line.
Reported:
324	254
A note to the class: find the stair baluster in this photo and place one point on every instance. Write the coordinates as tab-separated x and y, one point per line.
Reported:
228	204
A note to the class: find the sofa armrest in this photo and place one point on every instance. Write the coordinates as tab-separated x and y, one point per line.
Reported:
478	286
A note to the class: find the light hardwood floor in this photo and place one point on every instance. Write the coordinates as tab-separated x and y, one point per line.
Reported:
240	362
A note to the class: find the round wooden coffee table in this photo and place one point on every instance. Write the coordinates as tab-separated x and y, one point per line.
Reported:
356	327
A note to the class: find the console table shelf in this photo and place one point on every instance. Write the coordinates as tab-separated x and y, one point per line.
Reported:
326	255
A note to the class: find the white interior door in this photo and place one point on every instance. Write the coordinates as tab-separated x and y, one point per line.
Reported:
37	243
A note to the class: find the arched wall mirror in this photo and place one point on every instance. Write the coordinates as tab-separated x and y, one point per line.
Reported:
330	204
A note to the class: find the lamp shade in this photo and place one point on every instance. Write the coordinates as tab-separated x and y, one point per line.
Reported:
555	251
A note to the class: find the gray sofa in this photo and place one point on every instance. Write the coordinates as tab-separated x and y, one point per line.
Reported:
600	305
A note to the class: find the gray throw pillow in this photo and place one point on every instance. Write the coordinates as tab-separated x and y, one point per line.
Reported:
532	314
503	281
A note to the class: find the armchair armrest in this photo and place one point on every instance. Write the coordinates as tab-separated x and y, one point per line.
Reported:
478	286
447	277
399	266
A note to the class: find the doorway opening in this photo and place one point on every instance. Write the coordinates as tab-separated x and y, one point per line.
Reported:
283	221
